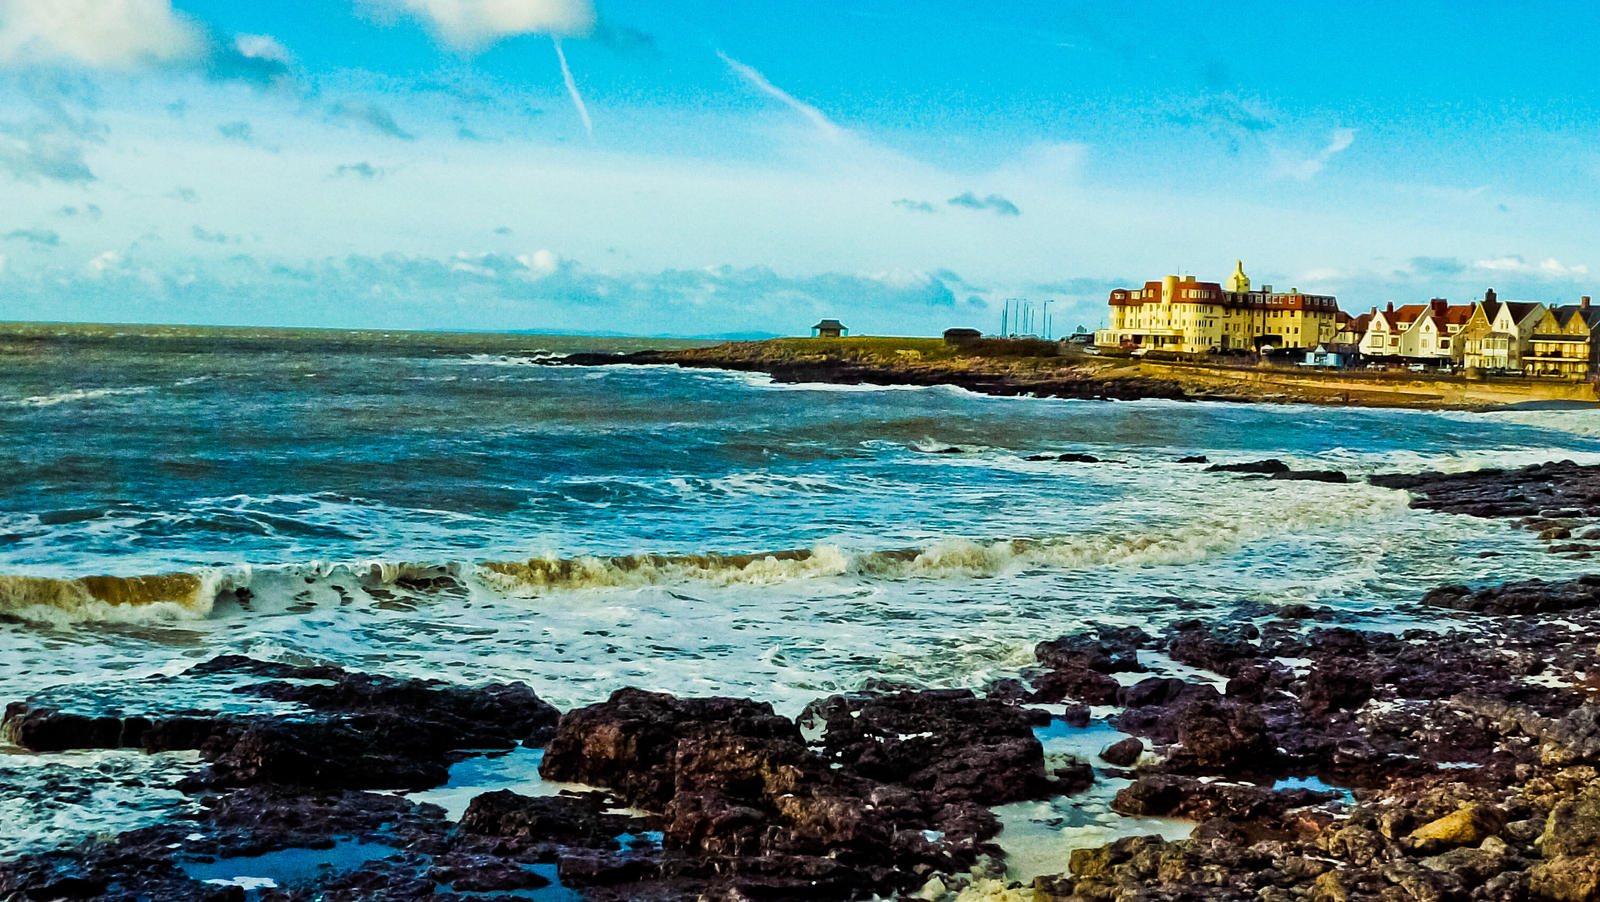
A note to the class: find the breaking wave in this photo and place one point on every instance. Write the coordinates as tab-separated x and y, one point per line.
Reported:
167	596
292	588
77	394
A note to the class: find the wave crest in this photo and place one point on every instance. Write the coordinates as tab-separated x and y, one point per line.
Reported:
174	596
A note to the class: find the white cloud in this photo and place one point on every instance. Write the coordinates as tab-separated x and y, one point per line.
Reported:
470	24
105	263
261	47
1306	169
103	34
759	82
1550	267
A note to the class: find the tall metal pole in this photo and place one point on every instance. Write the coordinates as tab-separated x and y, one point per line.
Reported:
1005	309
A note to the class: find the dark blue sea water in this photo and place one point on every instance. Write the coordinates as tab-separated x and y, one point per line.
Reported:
446	506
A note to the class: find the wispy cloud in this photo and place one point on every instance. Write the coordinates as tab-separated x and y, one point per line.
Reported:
916	206
211	237
1550	267
40	150
44	237
994	203
572	89
237	131
362	170
1308	168
369	115
759	82
1229	117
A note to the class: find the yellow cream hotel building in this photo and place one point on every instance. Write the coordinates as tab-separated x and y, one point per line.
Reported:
1181	314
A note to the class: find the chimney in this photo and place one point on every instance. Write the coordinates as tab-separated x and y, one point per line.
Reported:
1584	302
1390	308
1439	305
1488	296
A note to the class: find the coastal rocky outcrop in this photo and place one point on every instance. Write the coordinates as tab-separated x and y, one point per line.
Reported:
335	728
712	797
1560	500
1064	381
1468	754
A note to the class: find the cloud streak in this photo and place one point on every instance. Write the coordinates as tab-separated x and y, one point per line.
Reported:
572	89
1305	170
758	81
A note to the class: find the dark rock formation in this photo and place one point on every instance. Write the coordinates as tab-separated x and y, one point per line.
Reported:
349	730
1268	466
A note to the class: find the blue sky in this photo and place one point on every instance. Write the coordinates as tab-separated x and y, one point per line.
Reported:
735	166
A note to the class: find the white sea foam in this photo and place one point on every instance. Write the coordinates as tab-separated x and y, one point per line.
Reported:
78	394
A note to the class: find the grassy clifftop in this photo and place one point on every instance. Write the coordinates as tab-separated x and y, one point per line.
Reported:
1010	355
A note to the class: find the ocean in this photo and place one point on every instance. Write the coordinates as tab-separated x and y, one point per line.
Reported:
447	506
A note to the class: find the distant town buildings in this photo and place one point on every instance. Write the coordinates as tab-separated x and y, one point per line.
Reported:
1181	314
1415	331
1497	332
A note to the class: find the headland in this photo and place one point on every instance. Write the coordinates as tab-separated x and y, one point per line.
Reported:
1030	367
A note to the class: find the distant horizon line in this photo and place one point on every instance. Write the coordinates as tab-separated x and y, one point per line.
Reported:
10	326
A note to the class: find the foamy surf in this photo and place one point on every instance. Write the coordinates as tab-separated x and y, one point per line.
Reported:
289	588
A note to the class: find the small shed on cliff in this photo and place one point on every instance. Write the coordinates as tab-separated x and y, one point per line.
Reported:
829	328
959	337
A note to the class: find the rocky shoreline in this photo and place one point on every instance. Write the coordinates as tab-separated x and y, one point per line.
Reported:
977	375
991	368
1319	758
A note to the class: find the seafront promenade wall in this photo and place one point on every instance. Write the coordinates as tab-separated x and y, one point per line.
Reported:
1450	391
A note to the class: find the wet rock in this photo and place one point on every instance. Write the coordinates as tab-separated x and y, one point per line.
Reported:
1529	492
1107	650
1336	684
348	729
1220	649
1534	596
465	872
947	742
566	819
1123	753
1157	691
888	801
1334	476
1223	735
1076	683
1173	795
629	743
1271	465
498	715
1193	459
